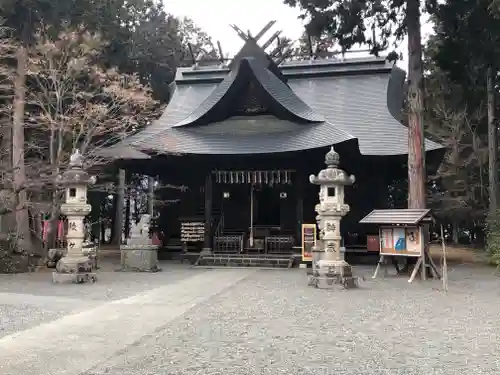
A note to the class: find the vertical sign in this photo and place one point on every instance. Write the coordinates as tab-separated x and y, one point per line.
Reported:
386	239
308	241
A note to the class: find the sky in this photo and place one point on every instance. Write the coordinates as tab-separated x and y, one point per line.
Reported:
214	17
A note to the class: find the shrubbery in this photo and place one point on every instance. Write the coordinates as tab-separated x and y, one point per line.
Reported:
493	238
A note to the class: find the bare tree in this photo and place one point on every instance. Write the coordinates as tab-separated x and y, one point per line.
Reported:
73	102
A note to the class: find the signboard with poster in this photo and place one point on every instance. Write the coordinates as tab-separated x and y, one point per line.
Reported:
308	241
404	241
405	233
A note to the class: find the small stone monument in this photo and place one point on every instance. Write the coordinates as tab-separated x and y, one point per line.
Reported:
139	254
75	266
328	262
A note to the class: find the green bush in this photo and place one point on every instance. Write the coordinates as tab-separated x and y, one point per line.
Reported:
493	238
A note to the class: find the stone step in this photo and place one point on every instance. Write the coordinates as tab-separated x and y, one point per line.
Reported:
244	261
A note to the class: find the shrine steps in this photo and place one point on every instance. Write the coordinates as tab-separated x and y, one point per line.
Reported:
245	261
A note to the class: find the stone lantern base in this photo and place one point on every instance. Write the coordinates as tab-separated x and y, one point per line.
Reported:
74	270
332	272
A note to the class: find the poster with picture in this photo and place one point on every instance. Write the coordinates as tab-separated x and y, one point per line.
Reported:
413	244
387	242
399	239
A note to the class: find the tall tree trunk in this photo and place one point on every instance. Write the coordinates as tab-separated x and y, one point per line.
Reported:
416	155
119	207
492	142
19	172
7	218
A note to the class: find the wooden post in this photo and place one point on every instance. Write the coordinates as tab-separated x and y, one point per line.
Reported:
444	265
416	155
120	208
128	219
300	204
151	196
207	243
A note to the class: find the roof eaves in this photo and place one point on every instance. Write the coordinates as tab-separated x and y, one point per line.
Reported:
335	62
396	216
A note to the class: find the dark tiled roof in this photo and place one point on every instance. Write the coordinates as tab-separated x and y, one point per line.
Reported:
359	104
236	136
290	69
356	99
397	216
121	152
251	70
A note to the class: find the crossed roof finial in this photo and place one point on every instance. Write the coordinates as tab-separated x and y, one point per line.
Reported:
247	36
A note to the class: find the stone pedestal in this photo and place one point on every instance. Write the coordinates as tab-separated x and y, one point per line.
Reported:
139	258
74	270
139	254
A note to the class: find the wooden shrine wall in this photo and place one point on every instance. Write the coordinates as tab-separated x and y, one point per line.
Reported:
369	192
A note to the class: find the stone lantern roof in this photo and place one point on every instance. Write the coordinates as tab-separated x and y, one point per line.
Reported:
332	174
75	174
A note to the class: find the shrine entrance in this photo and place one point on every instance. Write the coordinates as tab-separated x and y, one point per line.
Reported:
254	213
267	206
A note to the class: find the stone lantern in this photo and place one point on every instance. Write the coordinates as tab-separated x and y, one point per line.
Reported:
75	266
331	208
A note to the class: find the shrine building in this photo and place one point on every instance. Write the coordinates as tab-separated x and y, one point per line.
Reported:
244	137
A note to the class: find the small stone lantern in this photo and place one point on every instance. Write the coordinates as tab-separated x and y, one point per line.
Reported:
331	265
75	266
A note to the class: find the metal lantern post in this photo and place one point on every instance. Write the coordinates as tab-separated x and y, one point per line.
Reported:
75	266
331	267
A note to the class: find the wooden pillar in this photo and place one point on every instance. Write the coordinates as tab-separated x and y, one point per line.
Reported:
207	244
128	218
299	188
151	196
120	208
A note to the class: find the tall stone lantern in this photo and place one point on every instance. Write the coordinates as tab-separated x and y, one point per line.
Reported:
331	208
75	266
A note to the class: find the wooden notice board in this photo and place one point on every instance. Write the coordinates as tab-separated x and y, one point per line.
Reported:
308	241
401	240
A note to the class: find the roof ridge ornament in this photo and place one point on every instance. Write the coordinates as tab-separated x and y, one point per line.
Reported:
332	158
332	174
76	159
248	36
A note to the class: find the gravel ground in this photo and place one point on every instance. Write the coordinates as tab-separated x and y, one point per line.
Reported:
27	300
272	323
111	285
